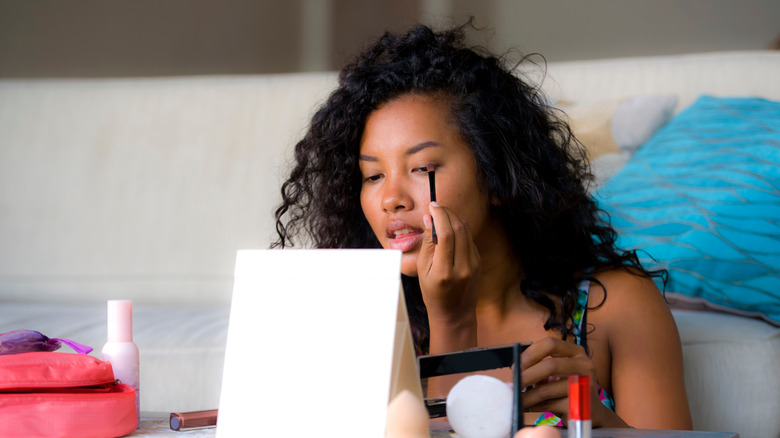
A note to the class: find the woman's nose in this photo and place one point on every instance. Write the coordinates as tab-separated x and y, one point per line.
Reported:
395	195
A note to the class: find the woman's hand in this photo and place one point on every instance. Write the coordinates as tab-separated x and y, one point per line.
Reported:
449	274
546	365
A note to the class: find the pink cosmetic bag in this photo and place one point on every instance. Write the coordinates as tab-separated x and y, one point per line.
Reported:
45	394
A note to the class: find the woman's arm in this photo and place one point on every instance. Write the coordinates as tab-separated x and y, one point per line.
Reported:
449	274
647	380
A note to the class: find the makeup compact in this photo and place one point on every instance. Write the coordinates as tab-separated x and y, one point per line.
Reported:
473	360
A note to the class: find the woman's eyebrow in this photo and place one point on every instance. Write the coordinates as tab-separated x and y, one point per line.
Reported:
421	146
412	150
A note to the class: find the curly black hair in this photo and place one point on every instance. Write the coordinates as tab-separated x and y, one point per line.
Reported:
532	167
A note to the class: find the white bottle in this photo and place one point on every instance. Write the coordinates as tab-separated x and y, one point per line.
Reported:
120	349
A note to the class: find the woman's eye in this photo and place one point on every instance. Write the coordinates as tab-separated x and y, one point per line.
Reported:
372	178
421	169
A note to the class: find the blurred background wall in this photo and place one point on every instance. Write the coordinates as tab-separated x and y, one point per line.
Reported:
93	38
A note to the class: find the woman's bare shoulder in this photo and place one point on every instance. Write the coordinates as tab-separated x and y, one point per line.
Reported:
645	353
625	297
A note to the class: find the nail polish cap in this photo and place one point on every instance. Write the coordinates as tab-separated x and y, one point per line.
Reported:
120	321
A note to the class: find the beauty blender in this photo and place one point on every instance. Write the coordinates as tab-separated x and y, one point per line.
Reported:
480	407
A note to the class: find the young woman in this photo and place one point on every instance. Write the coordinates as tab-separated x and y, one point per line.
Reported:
523	252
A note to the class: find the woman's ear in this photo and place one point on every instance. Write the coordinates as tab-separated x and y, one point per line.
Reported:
494	201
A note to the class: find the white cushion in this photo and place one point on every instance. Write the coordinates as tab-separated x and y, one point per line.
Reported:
732	372
636	119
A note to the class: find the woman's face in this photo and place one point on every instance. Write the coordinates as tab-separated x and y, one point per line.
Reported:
400	139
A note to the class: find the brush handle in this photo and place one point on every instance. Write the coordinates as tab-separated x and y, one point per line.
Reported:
432	182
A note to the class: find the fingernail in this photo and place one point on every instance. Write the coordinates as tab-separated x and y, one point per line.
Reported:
427	221
435	204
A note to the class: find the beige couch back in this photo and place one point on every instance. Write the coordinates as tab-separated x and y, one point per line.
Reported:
142	188
145	188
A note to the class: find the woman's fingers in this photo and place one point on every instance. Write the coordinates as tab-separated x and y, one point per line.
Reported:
541	359
455	257
427	250
549	346
444	252
546	365
556	367
436	260
547	397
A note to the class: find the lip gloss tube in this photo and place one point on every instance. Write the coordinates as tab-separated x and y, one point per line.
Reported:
191	420
579	406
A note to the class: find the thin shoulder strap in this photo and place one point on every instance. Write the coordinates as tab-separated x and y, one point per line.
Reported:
584	328
581	314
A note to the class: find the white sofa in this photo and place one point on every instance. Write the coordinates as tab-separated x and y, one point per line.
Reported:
144	188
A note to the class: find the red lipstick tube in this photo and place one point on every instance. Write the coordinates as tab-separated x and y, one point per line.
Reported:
579	406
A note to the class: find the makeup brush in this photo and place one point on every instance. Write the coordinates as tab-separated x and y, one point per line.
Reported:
432	181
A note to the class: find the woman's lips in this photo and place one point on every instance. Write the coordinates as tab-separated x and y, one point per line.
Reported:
407	241
402	236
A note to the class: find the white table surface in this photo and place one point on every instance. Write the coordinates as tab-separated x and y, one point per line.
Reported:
156	425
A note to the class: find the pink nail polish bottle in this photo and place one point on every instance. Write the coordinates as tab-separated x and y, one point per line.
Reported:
120	350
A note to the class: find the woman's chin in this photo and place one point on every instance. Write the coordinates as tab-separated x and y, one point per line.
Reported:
409	264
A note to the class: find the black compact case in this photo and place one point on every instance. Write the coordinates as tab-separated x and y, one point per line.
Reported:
472	360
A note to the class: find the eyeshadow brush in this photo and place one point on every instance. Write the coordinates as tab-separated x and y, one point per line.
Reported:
432	181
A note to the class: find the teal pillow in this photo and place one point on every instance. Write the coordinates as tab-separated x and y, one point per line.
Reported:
702	199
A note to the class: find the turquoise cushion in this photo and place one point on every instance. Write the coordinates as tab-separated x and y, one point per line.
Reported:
702	198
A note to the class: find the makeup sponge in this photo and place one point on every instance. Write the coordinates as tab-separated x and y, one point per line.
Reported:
480	407
407	417
544	431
